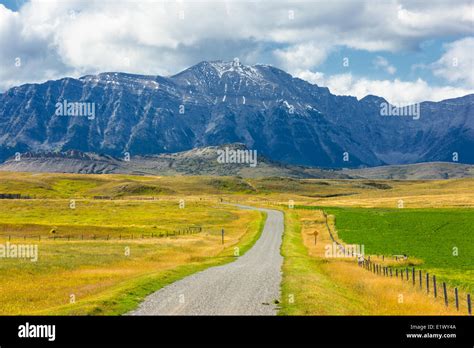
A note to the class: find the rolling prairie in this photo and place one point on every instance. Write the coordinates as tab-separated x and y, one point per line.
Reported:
83	265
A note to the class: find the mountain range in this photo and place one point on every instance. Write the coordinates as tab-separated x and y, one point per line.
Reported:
284	118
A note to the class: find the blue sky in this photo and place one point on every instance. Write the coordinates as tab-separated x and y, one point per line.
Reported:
405	51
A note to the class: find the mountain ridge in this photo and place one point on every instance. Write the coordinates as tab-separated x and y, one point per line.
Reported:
285	118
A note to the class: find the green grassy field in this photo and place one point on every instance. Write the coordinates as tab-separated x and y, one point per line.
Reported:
432	235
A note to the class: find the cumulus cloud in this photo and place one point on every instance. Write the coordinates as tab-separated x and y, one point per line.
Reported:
53	39
382	63
395	91
457	63
303	56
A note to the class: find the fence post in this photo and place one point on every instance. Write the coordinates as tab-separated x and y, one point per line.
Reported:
413	275
456	298
421	281
222	236
469	310
391	272
445	294
408	274
396	272
435	289
427	283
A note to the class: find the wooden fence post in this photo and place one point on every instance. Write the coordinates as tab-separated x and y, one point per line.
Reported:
469	310
408	274
456	298
435	288
421	281
391	272
413	275
427	283
445	294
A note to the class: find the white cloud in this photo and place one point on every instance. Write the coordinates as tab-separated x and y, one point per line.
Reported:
74	37
457	64
395	91
382	63
303	56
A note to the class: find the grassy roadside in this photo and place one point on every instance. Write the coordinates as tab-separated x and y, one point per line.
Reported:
126	295
306	290
317	285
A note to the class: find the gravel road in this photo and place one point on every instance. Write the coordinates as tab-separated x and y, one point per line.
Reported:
247	286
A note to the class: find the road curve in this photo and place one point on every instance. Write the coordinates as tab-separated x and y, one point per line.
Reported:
247	286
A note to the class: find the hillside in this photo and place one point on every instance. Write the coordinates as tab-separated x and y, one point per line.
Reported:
203	161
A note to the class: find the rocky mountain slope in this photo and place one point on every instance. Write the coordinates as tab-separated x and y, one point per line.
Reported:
284	118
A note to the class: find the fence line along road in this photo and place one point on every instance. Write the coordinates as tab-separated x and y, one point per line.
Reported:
404	274
132	236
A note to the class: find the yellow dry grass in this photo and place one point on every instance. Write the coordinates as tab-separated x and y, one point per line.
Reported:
97	273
